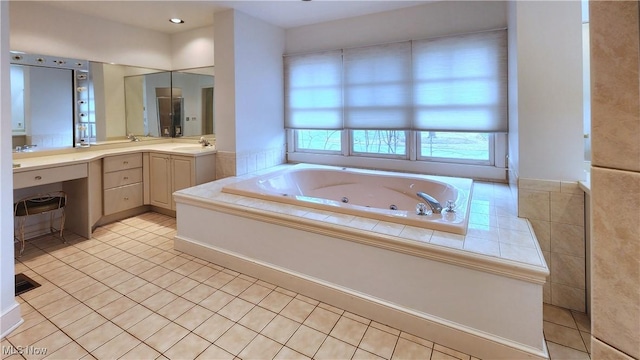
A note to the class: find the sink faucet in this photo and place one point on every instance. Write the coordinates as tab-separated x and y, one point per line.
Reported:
24	148
204	142
132	137
431	201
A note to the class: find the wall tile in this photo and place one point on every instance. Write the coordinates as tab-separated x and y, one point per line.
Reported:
534	205
615	94
568	297
570	187
615	244
600	350
568	239
538	185
542	230
567	208
568	270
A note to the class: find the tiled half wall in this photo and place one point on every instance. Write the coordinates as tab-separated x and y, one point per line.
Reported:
556	212
234	164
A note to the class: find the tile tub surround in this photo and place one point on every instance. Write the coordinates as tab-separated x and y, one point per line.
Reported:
556	212
229	163
501	242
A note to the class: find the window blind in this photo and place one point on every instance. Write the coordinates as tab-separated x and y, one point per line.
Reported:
377	87
460	83
313	91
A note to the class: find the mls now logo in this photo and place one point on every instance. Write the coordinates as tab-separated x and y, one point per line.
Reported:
23	350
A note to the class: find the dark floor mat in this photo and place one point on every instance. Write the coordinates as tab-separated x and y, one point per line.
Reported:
24	284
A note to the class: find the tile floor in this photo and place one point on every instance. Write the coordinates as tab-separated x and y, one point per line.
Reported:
126	293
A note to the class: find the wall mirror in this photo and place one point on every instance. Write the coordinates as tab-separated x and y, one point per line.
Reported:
193	91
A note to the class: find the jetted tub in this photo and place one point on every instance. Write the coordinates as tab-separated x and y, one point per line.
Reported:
379	195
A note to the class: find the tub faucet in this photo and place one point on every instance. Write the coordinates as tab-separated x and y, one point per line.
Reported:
431	201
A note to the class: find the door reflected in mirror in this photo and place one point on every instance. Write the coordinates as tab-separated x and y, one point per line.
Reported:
196	89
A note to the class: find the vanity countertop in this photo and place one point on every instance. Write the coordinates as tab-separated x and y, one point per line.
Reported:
34	161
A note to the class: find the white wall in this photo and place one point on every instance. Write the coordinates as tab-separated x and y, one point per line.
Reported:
41	29
192	49
9	308
225	93
259	82
429	20
549	89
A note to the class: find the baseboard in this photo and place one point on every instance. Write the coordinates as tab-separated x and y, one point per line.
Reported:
441	331
10	320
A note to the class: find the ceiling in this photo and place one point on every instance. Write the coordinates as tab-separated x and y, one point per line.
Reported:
154	15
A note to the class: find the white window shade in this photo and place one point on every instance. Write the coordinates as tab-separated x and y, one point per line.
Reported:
313	91
460	83
377	87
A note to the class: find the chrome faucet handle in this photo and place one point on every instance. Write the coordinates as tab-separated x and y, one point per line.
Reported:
450	206
423	209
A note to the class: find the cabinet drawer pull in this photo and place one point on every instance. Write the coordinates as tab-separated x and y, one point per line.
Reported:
125	162
126	198
38	177
126	178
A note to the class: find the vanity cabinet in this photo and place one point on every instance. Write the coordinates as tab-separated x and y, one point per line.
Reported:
170	173
122	183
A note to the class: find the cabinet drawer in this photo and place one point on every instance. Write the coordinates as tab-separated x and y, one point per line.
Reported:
122	162
123	177
122	198
48	176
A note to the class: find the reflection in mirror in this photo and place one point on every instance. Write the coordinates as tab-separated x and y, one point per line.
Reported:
195	87
43	94
123	102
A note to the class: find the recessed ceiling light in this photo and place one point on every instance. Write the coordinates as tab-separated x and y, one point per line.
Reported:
177	21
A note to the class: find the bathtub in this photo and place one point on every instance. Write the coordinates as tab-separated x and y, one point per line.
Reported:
379	195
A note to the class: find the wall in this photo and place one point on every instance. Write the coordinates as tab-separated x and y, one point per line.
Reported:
10	316
248	101
417	22
615	179
41	29
546	149
192	49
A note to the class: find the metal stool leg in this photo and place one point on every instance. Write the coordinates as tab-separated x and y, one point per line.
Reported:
21	221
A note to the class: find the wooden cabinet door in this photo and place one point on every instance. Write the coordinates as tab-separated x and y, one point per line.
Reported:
183	173
160	180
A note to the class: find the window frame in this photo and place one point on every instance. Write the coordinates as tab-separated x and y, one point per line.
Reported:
491	147
352	152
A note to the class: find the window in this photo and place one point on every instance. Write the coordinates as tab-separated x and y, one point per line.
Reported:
379	142
318	140
467	147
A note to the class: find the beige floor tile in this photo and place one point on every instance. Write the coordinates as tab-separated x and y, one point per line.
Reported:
255	293
31	319
236	286
306	340
322	320
563	335
193	317
130	285
559	352
132	316
378	342
451	352
183	286
199	293
349	331
582	320
46	298
70	315
260	347
406	349
213	327
280	329
357	318
307	300
219	280
166	337
203	273
99	336
236	309
33	334
331	308
117	278
188	268
85	324
168	279
216	301
144	292
297	310
275	301
117	307
586	338
417	340
141	352
289	354
558	315
214	352
70	351
159	300
257	318
103	299
437	355
235	339
188	347
365	355
116	347
332	349
50	344
148	326
175	308
154	273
